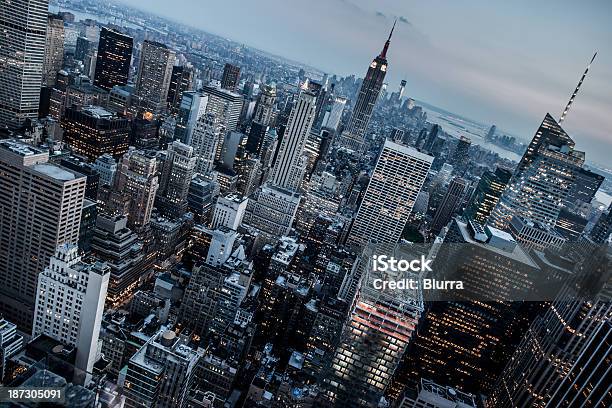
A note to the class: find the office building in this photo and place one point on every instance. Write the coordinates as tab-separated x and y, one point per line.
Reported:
137	177
204	140
192	107
563	359
264	108
393	188
229	211
428	394
92	131
106	166
161	372
10	343
120	248
288	170
450	204
487	194
354	135
231	76
154	76
40	208
333	118
181	81
227	107
460	157
465	338
375	336
114	59
175	177
22	52
543	178
54	49
70	303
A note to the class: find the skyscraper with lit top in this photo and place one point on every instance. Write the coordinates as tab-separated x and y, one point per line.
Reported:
354	135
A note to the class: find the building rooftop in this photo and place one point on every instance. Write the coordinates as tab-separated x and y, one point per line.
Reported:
54	172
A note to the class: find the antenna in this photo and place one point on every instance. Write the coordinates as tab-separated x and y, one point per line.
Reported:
569	104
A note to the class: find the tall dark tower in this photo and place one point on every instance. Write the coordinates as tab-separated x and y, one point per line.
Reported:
114	57
353	137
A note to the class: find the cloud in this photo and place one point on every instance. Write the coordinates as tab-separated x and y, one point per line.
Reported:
380	14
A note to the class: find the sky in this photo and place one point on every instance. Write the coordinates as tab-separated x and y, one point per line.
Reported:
497	62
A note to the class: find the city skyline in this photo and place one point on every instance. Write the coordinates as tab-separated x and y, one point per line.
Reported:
508	79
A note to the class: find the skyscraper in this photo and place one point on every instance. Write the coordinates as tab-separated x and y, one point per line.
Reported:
40	208
154	75
180	81
54	49
543	178
227	106
231	75
564	358
374	338
452	199
137	176
487	194
273	207
333	118
204	140
92	131
192	107
460	157
23	51
70	302
393	188
160	374
264	108
353	136
288	169
114	59
176	172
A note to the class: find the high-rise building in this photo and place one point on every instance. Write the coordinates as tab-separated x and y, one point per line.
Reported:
54	49
192	107
231	75
431	137
229	211
227	106
137	176
464	340
114	59
460	157
122	251
70	303
180	81
273	207
487	194
10	343
161	372
333	118
154	75
204	140
450	203
374	338
288	170
40	208
176	172
106	166
564	358
92	131
543	178
354	135
264	108
428	394
22	54
393	188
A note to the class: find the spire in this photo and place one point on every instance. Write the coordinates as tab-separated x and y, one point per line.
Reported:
569	104
383	54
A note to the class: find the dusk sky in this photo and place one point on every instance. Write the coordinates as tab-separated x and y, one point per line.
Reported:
506	63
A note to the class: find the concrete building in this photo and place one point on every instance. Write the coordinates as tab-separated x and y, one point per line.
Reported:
54	49
40	208
154	75
70	303
229	211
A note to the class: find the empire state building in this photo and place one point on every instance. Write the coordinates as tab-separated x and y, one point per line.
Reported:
353	137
